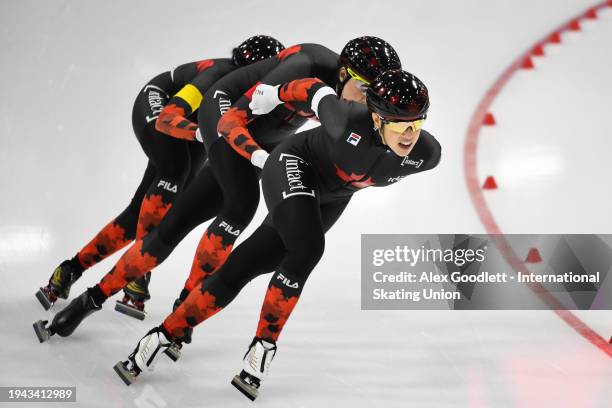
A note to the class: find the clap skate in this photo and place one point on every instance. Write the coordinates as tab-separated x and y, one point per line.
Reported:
256	364
59	284
136	293
67	320
145	355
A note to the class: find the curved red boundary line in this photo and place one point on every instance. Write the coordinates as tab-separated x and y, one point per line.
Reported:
484	213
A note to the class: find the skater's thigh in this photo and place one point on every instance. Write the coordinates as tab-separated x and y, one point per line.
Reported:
331	212
199	202
170	155
237	177
197	154
128	219
260	253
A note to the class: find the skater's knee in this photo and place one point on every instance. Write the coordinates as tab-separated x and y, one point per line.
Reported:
241	207
302	257
176	172
128	219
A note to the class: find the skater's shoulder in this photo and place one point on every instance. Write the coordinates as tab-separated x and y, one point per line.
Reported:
429	148
312	50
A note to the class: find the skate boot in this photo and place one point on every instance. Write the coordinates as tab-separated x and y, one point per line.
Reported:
256	364
136	293
68	319
145	355
59	284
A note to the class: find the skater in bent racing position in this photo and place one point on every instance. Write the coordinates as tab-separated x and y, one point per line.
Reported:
307	183
164	107
360	61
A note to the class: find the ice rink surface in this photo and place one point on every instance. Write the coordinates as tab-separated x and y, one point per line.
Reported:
69	162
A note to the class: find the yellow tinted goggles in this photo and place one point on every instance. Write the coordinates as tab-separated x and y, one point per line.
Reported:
401	127
356	76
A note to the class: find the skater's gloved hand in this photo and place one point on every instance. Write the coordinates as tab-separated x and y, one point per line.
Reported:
198	136
264	99
259	157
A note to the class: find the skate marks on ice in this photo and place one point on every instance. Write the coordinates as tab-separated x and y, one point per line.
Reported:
83	359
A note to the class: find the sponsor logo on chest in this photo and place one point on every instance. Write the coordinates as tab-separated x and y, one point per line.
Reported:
353	139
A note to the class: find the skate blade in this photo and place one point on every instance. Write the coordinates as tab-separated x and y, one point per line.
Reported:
41	331
248	391
130	310
43	299
126	375
174	353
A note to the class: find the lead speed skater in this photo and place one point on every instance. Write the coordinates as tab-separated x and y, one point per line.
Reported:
331	168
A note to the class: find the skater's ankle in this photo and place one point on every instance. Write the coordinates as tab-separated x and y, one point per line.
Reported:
266	341
167	333
77	265
97	295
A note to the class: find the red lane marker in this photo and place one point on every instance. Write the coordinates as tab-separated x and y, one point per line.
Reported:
538	50
489	184
592	14
484	213
489	119
555	38
527	63
533	256
574	25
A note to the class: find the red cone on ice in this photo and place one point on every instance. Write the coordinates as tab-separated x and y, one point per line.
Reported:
489	184
574	25
533	256
489	119
555	38
538	50
527	63
592	14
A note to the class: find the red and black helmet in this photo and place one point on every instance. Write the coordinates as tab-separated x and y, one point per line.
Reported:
398	96
369	57
255	49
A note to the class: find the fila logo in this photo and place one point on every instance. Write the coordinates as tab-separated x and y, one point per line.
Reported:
166	185
415	163
353	139
287	282
229	229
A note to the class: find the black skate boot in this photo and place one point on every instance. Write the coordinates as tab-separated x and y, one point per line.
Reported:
256	364
68	319
145	355
60	282
136	293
